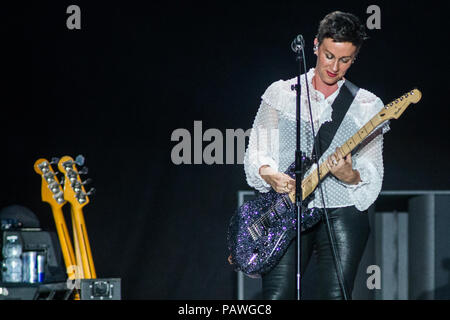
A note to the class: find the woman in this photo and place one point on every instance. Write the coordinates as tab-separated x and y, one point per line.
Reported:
354	182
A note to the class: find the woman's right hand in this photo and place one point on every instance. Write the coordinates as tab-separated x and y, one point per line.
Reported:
280	182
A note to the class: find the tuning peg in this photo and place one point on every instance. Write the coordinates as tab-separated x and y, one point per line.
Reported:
54	160
44	167
60	199
79	160
84	170
87	181
91	192
76	186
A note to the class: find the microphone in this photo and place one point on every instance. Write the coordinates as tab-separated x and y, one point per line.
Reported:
298	44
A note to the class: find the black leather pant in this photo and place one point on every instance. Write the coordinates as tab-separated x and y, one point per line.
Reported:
351	230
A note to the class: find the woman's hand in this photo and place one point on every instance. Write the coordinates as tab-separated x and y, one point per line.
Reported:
341	167
280	182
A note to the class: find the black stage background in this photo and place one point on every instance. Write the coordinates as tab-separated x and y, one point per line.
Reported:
115	91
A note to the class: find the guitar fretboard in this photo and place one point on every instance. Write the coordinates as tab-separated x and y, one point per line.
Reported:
310	183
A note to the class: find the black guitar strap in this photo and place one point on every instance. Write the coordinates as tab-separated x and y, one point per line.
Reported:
340	107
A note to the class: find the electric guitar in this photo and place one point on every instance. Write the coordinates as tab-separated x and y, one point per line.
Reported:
75	194
261	229
52	193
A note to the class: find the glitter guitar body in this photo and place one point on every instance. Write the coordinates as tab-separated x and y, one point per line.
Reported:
262	229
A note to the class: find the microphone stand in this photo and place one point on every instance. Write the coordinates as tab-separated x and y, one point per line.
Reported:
297	46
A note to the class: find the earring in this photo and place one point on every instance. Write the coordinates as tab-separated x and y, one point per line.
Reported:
315	47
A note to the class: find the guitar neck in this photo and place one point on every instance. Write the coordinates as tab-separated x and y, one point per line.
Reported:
64	240
66	245
310	183
82	244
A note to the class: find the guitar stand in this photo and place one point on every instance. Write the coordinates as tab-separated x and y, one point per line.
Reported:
35	291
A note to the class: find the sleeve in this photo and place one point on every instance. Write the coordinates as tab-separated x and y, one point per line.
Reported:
368	160
263	146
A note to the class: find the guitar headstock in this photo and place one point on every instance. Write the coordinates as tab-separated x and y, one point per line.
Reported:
51	189
74	191
395	109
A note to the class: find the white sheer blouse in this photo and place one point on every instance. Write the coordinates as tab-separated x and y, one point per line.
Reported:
272	141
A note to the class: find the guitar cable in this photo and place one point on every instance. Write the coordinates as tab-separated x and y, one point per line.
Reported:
330	231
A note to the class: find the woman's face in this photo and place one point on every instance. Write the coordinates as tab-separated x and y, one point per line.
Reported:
333	59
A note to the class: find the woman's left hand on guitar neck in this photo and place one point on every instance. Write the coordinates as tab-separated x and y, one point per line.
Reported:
341	167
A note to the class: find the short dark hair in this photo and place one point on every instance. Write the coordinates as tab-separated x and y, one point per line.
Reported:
342	27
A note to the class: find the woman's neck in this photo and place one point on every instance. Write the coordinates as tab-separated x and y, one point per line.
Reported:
321	86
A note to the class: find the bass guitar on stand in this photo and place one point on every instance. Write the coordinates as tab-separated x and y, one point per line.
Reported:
77	196
52	193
